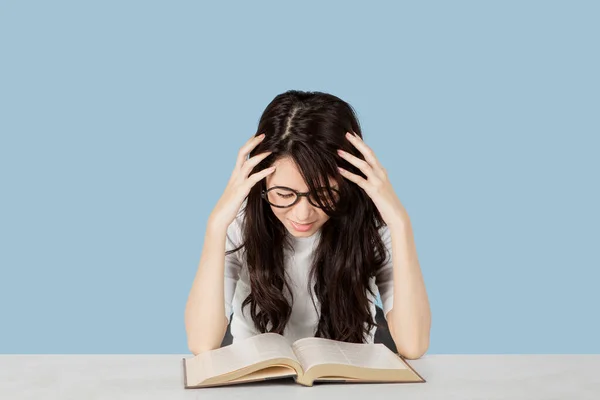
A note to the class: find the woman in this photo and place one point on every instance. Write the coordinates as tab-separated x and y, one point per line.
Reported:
309	233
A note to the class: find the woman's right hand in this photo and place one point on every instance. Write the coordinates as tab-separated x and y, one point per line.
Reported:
239	184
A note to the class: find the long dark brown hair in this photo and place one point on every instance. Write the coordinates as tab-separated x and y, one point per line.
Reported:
309	127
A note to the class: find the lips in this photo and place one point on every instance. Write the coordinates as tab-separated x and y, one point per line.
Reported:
301	227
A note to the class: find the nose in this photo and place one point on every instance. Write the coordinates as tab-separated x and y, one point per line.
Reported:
303	210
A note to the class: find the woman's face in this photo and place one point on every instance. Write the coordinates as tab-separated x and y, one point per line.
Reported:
302	219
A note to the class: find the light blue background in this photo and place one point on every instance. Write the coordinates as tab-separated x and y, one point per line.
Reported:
120	123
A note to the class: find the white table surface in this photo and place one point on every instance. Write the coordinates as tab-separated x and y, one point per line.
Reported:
148	377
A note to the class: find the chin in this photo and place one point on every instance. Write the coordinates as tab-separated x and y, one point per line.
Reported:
301	234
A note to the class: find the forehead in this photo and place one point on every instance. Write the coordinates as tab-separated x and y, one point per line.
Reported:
287	174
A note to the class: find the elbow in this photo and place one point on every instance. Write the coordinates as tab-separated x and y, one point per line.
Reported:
199	341
414	350
411	344
412	353
197	348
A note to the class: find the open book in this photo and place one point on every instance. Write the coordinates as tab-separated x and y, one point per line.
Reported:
270	356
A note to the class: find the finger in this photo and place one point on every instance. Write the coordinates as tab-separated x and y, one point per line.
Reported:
366	151
253	162
360	181
357	162
246	149
254	178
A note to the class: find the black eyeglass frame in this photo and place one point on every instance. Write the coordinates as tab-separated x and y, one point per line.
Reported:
263	194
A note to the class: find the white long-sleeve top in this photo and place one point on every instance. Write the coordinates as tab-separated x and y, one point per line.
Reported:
304	318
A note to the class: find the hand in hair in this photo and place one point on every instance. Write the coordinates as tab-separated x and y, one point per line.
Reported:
240	183
377	185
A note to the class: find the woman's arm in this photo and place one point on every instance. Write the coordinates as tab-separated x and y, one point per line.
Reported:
205	320
409	319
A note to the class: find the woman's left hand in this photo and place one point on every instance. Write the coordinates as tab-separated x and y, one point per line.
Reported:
377	185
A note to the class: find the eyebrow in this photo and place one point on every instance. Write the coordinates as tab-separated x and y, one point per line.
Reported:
276	184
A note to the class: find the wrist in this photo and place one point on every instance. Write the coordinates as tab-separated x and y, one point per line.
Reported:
216	224
400	222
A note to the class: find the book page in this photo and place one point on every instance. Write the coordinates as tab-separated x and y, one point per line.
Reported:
238	355
314	351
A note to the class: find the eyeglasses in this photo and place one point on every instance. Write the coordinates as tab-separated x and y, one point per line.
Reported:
283	197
